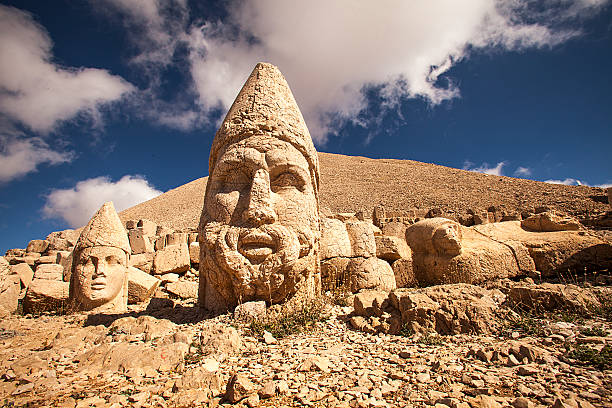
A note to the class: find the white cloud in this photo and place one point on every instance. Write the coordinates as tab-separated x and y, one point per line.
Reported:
20	156
605	185
522	171
330	50
77	205
567	182
38	93
485	168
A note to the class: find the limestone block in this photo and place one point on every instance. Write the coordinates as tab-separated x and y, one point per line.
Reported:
160	242
194	253
392	248
192	237
144	261
57	243
361	235
371	273
404	273
9	293
147	227
176	238
334	273
47	259
37	245
25	273
169	277
5	268
172	259
141	285
64	258
139	242
46	295
550	221
49	272
183	289
335	240
369	302
395	229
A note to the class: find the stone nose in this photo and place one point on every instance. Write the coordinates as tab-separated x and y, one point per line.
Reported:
100	268
260	209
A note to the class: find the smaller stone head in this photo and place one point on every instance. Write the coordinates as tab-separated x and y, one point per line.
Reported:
435	236
99	275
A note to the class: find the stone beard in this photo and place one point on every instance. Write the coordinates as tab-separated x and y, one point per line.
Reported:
259	230
99	278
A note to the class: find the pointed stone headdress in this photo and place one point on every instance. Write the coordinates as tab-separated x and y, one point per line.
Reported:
104	229
265	105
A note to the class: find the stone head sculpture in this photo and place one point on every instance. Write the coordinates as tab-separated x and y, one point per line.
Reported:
259	229
435	236
99	269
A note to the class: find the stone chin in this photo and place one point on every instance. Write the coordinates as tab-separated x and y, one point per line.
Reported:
265	263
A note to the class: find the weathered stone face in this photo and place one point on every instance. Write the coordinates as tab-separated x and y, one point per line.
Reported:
100	275
100	261
259	229
260	222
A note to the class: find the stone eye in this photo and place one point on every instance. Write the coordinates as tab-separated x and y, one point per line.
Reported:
287	179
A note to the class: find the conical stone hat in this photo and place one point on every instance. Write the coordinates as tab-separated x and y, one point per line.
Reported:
265	105
104	229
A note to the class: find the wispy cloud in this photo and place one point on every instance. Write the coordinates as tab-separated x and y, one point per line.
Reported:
76	205
522	171
324	43
567	182
485	168
20	156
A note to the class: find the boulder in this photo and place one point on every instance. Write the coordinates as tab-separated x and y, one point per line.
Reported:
334	274
37	245
250	311
144	261
140	242
550	297
47	259
392	248
238	388
371	273
5	266
64	258
177	238
172	259
335	240
361	236
183	289
369	302
25	273
550	221
141	285
147	227
404	273
46	295
194	253
395	229
9	293
49	272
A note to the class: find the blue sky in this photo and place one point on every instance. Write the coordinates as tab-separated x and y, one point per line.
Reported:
120	99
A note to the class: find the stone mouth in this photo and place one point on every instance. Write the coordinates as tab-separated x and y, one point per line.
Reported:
98	284
256	246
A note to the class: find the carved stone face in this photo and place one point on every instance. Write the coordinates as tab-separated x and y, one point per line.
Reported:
260	224
447	239
100	275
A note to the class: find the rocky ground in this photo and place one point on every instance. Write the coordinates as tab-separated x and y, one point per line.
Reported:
167	354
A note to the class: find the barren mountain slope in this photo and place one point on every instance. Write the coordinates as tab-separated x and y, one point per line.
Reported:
351	183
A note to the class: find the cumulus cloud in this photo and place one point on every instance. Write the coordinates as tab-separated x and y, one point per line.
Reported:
522	171
20	156
567	182
36	92
485	168
76	205
331	51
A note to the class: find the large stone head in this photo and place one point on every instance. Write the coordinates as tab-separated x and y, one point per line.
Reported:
259	229
100	259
